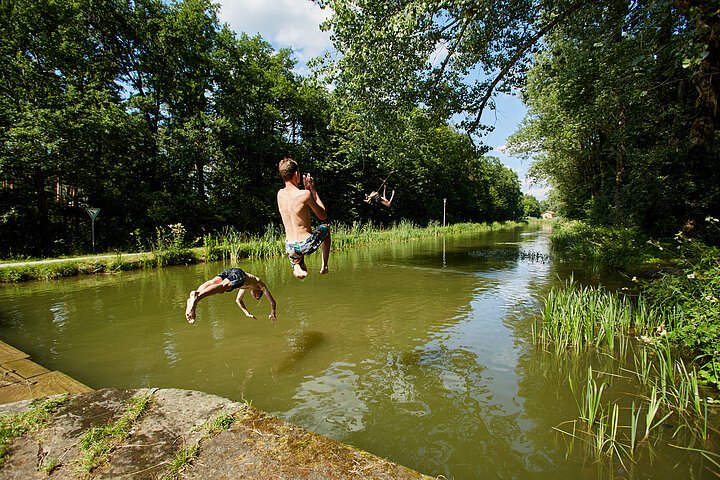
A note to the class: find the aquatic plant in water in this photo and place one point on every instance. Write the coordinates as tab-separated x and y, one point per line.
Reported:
577	319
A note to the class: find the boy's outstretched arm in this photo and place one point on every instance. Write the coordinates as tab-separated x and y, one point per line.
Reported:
271	300
314	201
241	304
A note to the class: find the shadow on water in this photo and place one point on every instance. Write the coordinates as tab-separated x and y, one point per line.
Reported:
303	344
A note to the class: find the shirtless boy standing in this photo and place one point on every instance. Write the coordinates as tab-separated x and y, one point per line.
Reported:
226	281
293	204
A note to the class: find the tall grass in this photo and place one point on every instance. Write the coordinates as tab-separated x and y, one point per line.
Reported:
579	319
576	318
169	247
230	245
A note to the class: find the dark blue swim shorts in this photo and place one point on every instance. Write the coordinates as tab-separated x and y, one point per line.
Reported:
236	276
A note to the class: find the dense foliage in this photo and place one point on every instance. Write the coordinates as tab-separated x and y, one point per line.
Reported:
623	95
157	114
680	277
618	115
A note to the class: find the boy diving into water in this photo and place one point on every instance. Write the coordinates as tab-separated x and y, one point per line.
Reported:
226	281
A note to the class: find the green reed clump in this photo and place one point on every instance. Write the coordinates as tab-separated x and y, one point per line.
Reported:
170	246
611	432
579	319
345	236
684	282
231	245
270	244
576	318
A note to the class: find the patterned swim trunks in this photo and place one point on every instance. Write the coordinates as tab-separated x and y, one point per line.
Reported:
235	275
296	251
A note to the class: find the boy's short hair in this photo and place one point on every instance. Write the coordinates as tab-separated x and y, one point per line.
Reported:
287	168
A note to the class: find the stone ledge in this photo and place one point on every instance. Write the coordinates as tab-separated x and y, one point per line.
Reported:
254	445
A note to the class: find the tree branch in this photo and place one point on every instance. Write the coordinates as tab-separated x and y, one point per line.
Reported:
451	52
518	54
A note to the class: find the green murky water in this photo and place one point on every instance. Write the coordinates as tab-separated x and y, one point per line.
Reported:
419	352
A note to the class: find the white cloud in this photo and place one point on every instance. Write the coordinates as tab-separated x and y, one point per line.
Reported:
283	23
538	191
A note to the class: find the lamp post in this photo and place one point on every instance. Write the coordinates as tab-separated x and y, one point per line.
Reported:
444	208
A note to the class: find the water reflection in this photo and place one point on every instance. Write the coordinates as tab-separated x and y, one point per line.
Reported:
330	403
418	352
60	314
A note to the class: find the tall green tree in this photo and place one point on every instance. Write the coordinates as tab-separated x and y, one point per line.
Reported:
531	206
621	73
451	55
611	117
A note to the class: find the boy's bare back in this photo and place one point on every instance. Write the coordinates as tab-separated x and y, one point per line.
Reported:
293	206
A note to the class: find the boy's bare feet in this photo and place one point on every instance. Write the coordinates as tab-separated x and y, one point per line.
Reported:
190	307
323	270
299	272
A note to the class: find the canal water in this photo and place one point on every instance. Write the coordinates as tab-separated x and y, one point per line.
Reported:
418	352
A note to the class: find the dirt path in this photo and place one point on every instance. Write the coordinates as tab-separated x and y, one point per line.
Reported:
86	258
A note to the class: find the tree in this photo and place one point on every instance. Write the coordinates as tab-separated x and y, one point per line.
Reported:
531	206
610	112
450	55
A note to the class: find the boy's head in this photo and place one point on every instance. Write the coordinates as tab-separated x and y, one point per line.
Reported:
288	168
257	293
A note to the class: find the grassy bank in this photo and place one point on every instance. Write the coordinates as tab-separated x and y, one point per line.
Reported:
668	333
679	280
170	247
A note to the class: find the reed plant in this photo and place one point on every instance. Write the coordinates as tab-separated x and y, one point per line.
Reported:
590	405
609	438
575	320
230	245
170	247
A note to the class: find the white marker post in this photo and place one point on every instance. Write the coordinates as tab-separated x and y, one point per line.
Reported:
444	205
93	212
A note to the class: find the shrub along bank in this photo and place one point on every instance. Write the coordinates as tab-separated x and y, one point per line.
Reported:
678	277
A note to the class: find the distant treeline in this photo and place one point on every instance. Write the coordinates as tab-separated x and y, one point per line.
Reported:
157	114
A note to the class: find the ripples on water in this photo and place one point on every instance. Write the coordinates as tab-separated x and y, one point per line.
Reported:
417	352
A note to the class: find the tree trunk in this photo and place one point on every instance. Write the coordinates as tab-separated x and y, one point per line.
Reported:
707	76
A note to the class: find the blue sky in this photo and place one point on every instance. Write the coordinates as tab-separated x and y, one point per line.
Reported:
295	24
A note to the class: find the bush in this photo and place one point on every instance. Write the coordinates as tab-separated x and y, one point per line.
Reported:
617	248
694	292
688	283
